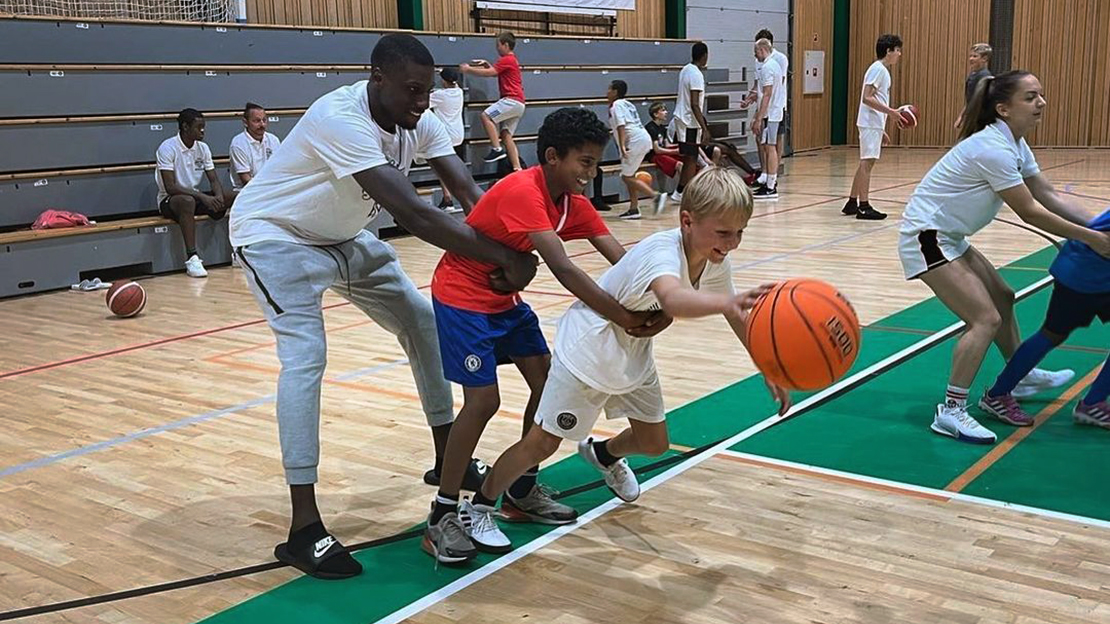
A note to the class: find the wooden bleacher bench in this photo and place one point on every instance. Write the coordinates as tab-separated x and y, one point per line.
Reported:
23	236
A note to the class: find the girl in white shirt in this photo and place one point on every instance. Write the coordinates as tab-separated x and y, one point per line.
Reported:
959	196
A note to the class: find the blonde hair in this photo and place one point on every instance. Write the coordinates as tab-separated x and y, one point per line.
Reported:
717	191
984	50
764	44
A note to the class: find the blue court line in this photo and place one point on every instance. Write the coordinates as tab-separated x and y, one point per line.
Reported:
177	424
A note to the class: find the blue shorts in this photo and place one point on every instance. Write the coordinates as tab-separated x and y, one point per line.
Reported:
472	344
1069	309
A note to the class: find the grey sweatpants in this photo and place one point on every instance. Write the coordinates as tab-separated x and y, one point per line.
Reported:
289	281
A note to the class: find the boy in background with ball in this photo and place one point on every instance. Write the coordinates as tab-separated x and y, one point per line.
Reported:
597	365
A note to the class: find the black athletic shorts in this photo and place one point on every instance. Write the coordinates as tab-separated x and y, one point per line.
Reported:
1069	309
460	151
201	209
689	147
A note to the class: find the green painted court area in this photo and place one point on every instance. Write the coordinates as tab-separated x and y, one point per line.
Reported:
879	429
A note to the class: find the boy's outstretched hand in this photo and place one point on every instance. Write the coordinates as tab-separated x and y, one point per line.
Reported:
782	395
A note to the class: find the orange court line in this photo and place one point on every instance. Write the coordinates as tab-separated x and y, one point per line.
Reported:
1007	445
260	345
881	487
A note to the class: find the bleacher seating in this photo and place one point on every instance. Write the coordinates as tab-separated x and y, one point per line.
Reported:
85	105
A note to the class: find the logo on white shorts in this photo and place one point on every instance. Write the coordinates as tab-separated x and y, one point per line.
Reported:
472	362
566	421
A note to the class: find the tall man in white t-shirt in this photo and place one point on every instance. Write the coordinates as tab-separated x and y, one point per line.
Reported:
772	106
298	229
251	148
688	126
874	106
183	161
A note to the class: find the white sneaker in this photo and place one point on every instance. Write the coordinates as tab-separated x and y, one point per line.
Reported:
660	203
194	267
619	477
957	423
1039	380
676	197
482	529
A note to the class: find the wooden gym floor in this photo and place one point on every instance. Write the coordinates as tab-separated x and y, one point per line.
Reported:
144	451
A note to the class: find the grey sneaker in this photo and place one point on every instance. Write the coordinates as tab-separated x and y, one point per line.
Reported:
447	541
539	507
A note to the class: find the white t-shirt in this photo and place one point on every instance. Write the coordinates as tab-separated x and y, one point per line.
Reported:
248	155
771	75
624	113
599	353
879	76
447	104
307	193
959	195
188	164
784	64
757	80
689	79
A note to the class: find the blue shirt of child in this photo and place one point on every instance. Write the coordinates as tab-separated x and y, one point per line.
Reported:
1078	267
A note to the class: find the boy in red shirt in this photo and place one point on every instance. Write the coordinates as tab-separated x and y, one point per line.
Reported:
501	118
479	328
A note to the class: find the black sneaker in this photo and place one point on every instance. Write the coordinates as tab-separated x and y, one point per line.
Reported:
867	213
495	155
850	208
472	482
445	203
630	215
764	192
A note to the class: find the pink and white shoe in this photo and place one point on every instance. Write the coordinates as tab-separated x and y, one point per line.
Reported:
1097	415
1006	409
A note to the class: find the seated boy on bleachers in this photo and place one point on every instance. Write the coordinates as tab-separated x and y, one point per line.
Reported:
183	161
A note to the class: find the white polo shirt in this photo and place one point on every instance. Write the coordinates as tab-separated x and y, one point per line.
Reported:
689	79
188	164
879	76
771	75
598	352
447	104
307	193
248	155
959	195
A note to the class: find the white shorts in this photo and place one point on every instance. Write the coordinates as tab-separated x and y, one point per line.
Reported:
922	251
569	408
870	143
506	113
638	147
770	134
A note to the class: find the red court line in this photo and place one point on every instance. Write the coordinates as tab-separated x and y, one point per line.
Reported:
216	330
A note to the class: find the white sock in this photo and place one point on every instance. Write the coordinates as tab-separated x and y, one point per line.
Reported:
762	179
772	180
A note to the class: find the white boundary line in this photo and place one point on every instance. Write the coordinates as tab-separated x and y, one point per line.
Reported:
897	485
723	446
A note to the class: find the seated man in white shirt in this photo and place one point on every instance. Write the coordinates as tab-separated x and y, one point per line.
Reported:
184	160
251	148
447	104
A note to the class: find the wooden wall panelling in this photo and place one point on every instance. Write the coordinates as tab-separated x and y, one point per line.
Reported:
647	21
810	113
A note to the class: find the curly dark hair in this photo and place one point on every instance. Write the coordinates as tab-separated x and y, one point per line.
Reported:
885	44
186	118
569	128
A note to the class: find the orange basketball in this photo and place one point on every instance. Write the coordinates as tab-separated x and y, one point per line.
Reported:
644	177
126	299
803	334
